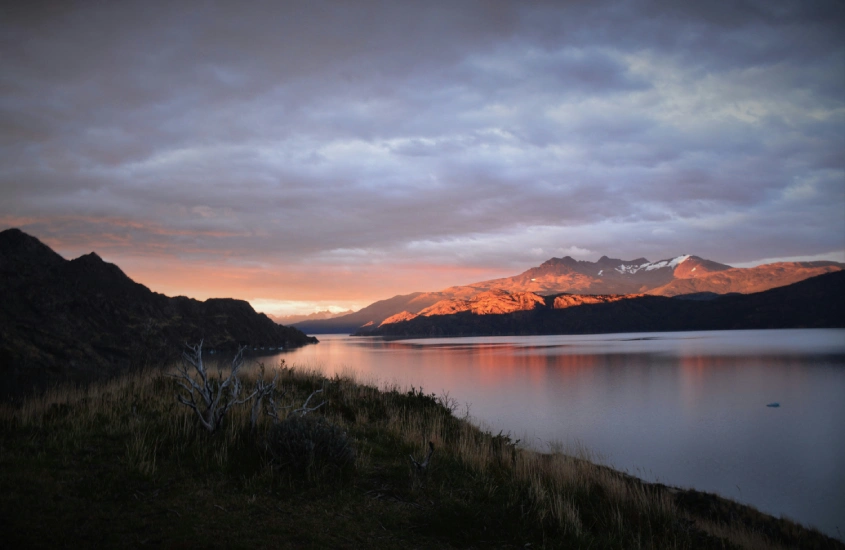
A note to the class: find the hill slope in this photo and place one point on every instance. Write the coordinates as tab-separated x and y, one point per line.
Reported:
85	318
118	465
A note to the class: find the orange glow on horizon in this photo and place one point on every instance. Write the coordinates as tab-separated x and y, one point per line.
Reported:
182	268
343	287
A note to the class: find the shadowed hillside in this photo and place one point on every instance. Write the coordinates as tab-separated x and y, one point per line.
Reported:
84	318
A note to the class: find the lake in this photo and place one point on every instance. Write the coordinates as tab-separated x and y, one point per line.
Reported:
689	409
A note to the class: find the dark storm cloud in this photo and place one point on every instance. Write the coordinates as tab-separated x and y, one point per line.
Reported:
466	133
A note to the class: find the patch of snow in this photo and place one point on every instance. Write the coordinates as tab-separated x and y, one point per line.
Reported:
679	260
631	269
600	270
674	262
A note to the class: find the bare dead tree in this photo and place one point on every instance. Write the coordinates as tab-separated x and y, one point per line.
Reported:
422	467
211	398
265	390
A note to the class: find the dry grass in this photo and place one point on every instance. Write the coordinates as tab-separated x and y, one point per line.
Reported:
158	474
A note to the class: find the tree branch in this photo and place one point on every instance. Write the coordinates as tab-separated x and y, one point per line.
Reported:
303	410
421	467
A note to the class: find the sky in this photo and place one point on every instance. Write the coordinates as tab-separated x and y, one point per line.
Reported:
323	155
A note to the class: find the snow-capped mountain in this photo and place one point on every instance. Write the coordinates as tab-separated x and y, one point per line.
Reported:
606	276
683	274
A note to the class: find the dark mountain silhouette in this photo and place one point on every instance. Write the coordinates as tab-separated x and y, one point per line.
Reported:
84	318
817	302
608	276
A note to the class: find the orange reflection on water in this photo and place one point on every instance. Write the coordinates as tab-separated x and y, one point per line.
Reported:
491	365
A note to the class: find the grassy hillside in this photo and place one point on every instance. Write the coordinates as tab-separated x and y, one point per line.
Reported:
121	463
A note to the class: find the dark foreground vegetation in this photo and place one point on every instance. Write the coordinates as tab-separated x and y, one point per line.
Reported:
122	463
817	302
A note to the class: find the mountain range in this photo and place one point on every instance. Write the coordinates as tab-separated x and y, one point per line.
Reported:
84	318
682	275
817	302
316	316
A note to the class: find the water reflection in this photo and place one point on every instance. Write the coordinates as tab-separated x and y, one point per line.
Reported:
688	409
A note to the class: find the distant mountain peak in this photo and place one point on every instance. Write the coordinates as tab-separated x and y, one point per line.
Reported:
606	261
551	262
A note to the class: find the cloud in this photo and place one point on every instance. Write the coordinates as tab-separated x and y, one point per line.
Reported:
392	135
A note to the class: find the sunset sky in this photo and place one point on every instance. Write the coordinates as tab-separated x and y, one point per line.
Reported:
314	155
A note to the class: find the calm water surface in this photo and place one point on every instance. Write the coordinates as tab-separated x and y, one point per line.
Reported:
687	409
